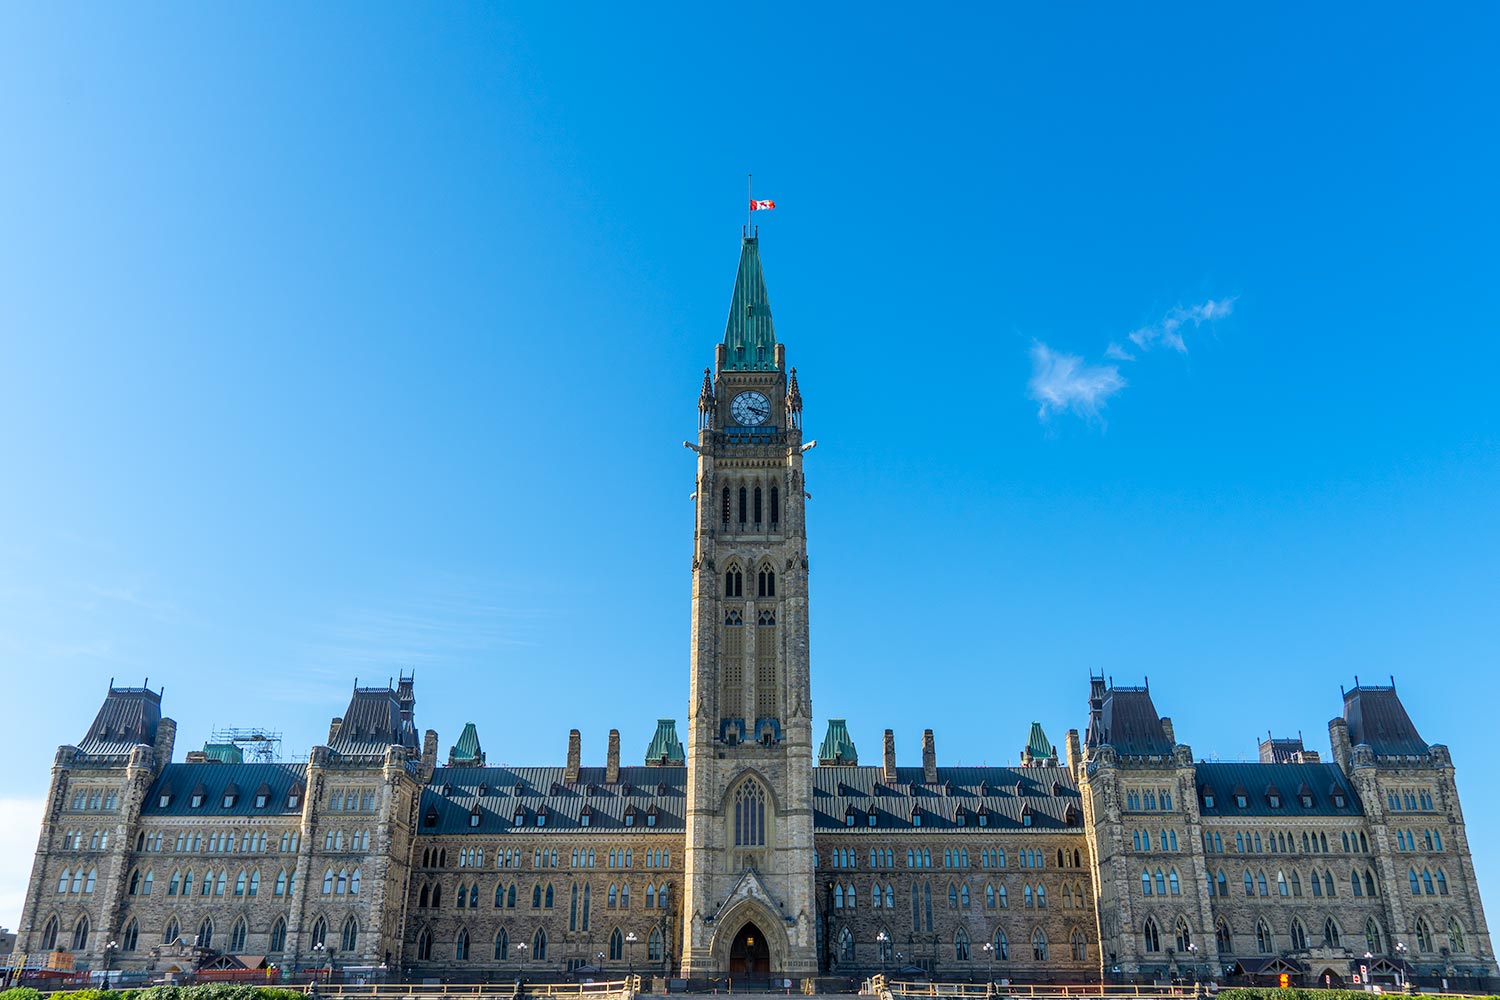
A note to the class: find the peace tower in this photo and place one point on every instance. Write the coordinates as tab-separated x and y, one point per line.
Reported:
749	902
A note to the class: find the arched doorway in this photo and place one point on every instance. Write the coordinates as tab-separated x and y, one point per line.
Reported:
749	955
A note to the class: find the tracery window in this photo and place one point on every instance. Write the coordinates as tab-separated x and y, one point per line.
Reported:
750	815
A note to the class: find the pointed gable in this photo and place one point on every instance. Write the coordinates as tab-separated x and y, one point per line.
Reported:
665	749
838	748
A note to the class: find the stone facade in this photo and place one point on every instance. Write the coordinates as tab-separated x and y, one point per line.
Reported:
742	852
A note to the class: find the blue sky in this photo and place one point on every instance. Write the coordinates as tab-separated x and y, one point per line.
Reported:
346	340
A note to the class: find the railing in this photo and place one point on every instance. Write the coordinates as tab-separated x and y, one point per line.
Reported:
1040	990
620	987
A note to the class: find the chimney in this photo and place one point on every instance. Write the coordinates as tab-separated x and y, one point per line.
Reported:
1075	753
1166	727
929	758
429	754
575	755
612	763
166	737
890	756
1338	735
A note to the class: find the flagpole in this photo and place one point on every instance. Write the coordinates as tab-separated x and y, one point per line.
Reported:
749	201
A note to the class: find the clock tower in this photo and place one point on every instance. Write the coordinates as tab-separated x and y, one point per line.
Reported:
749	906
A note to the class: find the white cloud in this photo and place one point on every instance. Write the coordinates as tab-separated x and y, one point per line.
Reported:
1118	353
1064	382
1169	330
20	822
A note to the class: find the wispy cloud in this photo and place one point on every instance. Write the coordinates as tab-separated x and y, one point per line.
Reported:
1170	328
1064	382
19	821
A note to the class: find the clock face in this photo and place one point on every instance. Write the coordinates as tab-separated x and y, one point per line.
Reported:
750	408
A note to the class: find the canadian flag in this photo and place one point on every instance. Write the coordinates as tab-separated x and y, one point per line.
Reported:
756	206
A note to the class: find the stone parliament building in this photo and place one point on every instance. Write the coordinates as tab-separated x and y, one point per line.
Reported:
748	850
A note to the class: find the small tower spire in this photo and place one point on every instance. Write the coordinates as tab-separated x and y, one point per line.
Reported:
749	335
706	399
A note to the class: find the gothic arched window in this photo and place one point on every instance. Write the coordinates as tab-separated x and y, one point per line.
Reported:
616	945
744	495
278	935
1299	935
1039	945
750	815
539	945
206	933
237	936
1455	935
1221	936
350	938
766	585
655	945
502	945
1264	942
461	945
1079	945
775	505
169	934
424	945
81	933
1424	935
757	518
319	932
734	582
1184	936
1001	946
132	936
1151	936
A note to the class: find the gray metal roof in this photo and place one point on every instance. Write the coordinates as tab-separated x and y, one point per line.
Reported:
1048	792
1130	724
1256	780
372	723
214	780
1377	718
455	793
128	717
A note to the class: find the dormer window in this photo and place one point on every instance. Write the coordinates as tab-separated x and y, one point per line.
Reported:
1338	800
195	801
626	790
541	819
585	817
556	788
262	799
520	789
961	817
520	818
164	801
984	789
447	789
1307	801
661	790
1241	802
484	789
1274	800
229	800
1208	800
651	815
984	818
293	801
871	819
916	817
1026	816
630	816
849	819
474	816
591	790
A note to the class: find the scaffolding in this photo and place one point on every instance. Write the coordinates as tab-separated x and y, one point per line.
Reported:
261	746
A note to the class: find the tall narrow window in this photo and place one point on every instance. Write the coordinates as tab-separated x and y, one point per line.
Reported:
766	582
206	933
743	503
237	936
726	505
765	663
775	505
757	519
133	934
750	815
81	933
1151	936
733	695
278	935
502	945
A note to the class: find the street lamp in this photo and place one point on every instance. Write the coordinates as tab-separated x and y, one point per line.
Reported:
522	949
1400	960
109	953
630	940
989	949
882	942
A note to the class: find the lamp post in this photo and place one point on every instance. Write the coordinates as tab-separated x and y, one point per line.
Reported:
630	940
882	942
989	949
1400	960
109	954
599	961
318	951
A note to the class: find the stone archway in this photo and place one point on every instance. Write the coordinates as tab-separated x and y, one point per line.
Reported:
749	955
749	941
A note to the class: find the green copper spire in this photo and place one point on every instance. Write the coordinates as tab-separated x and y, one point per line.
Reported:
1039	751
749	336
466	753
837	747
665	748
